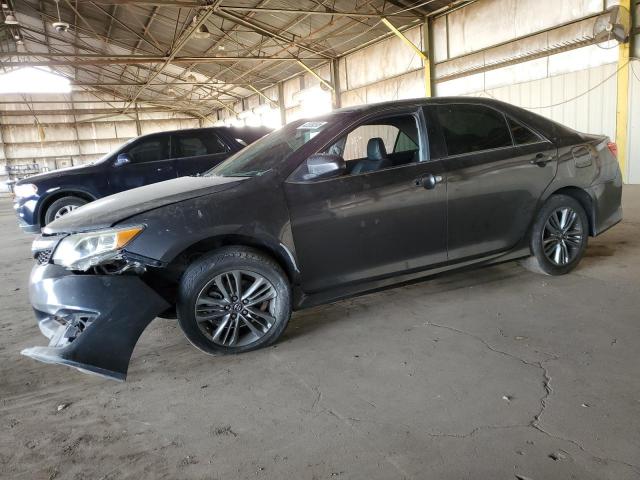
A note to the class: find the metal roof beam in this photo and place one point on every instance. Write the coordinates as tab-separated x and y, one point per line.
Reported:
330	13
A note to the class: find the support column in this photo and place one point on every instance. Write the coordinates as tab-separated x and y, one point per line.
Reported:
283	110
138	126
335	80
428	62
622	102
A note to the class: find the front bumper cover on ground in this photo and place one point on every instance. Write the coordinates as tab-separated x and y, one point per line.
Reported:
93	321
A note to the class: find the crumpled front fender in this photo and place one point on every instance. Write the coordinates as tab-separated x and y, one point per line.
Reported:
93	321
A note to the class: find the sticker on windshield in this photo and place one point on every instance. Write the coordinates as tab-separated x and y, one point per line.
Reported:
311	125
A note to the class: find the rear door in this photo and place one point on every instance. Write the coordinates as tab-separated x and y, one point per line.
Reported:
373	224
197	151
497	169
150	162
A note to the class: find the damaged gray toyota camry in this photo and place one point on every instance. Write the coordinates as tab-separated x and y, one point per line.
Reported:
357	200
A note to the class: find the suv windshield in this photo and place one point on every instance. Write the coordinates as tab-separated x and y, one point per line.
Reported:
263	155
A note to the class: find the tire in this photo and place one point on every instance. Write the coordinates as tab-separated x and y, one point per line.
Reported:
61	207
565	246
203	307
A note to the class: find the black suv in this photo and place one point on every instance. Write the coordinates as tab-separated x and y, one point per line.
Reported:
141	161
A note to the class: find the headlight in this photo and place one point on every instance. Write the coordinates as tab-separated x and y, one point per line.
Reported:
25	190
82	251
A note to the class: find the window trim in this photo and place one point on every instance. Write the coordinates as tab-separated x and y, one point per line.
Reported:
416	112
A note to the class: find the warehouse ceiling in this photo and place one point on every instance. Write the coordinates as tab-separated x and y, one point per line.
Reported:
193	55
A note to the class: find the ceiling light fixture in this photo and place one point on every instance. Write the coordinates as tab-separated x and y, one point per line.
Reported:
60	26
202	31
11	20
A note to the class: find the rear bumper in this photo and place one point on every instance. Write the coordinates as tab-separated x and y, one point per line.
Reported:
607	204
93	321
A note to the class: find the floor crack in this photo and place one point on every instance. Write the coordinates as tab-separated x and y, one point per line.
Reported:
535	422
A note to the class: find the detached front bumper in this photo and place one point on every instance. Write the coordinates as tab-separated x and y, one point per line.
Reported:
93	321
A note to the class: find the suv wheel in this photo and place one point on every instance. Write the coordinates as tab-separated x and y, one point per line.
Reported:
61	207
559	236
233	300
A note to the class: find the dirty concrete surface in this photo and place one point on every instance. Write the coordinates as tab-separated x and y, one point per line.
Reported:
496	373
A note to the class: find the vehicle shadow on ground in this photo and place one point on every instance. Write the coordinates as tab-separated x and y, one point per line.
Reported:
307	322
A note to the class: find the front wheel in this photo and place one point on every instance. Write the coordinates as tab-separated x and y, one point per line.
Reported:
559	236
61	207
233	300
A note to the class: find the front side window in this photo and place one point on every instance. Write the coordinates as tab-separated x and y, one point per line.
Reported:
149	150
198	144
379	144
373	146
472	128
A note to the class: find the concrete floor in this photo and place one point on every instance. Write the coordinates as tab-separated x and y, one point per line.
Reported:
492	374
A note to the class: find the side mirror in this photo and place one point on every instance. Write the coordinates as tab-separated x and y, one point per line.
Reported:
122	159
325	165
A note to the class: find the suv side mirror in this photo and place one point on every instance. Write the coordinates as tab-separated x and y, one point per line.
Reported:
325	165
122	159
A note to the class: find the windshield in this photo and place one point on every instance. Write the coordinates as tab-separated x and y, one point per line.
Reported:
271	150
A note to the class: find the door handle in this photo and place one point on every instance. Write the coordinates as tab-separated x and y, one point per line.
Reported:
428	181
541	160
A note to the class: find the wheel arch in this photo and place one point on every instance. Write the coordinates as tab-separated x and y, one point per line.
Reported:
275	250
58	194
585	201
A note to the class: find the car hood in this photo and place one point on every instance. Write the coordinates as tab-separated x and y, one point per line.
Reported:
61	172
108	211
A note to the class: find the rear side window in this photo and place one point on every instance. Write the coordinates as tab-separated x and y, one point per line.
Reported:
198	144
149	150
472	128
521	134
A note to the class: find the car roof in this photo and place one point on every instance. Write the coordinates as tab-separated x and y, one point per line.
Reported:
420	102
206	129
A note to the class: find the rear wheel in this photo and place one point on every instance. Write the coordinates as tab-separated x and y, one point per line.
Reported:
233	300
559	236
61	207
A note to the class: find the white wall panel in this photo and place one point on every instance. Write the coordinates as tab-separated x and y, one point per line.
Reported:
382	60
490	22
409	85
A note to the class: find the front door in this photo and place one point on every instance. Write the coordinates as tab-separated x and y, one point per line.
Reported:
149	162
197	151
497	170
378	219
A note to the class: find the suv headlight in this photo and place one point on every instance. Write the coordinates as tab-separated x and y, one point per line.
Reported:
82	251
25	190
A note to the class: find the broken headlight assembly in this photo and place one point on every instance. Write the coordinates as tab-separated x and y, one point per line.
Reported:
82	251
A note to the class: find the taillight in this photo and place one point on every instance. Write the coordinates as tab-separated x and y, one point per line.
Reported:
613	148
